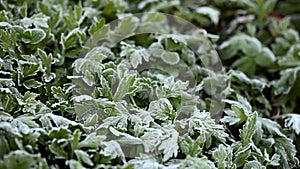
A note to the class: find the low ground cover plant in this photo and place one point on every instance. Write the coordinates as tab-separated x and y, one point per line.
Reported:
74	92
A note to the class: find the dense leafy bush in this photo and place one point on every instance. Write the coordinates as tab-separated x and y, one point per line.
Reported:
59	109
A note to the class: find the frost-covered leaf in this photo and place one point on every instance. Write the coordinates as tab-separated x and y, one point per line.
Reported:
171	87
254	165
249	45
241	156
79	89
126	27
33	36
123	87
92	60
212	13
136	55
50	120
195	162
84	157
38	20
292	121
125	139
240	111
169	145
223	156
113	149
74	164
286	149
205	126
249	129
265	58
286	81
96	26
189	146
22	159
91	141
171	58
28	84
270	126
162	109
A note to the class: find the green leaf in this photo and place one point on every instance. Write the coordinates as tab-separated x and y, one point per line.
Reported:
124	138
4	147
136	55
269	6
23	10
75	139
169	144
5	24
73	18
240	158
96	26
21	159
33	36
292	121
58	149
84	157
291	35
223	156
126	27
38	20
112	149
265	58
270	126
171	88
154	21
287	151
31	83
240	111
228	48
58	93
162	109
212	13
171	58
91	121
205	126
173	44
249	129
254	165
124	85
46	60
195	162
251	47
91	141
92	61
73	164
50	120
286	82
189	146
275	159
256	83
245	64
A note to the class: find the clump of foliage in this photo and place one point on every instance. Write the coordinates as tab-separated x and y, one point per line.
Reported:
47	122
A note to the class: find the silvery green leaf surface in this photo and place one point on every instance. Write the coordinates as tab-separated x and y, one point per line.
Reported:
293	121
212	13
149	84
